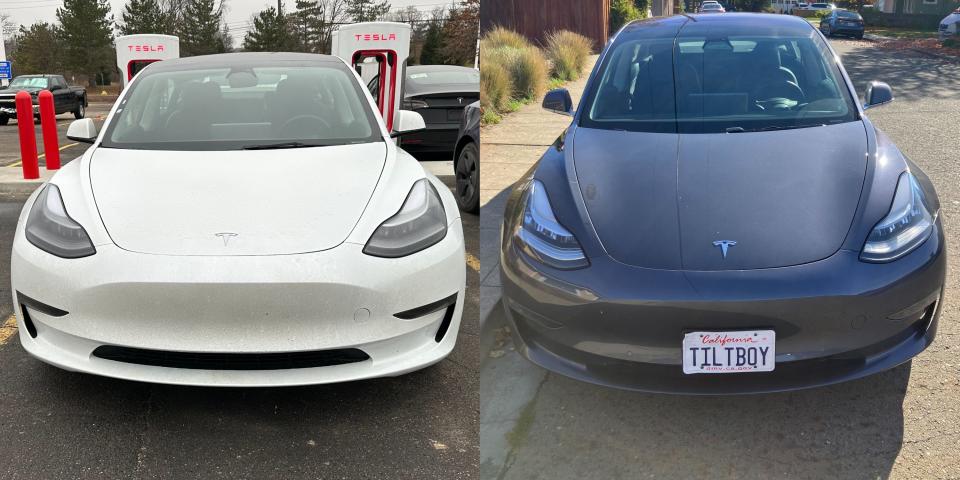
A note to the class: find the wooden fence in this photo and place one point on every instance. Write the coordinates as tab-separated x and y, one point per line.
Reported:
536	18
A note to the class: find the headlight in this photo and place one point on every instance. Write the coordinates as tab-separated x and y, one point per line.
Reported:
908	224
50	229
542	237
420	223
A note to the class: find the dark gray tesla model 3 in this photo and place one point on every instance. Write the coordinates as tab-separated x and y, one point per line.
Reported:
721	217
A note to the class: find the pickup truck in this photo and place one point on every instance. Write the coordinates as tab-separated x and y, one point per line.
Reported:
65	97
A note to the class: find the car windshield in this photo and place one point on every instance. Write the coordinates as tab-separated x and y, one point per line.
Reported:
717	83
39	82
243	106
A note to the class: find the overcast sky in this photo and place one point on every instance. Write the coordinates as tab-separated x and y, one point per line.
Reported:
26	12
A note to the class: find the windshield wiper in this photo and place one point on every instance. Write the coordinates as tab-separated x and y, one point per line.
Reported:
273	146
772	127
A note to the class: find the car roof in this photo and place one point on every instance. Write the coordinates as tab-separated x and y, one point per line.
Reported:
749	23
226	60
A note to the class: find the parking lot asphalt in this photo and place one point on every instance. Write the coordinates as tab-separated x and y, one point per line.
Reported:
58	424
10	137
904	423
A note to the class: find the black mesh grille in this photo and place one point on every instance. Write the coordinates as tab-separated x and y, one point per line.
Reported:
231	361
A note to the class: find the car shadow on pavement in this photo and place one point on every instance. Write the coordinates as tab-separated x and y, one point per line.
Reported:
425	422
579	430
911	75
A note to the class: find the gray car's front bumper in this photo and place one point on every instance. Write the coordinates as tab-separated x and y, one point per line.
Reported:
617	325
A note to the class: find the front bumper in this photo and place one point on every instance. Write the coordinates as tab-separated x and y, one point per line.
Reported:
836	319
12	111
330	300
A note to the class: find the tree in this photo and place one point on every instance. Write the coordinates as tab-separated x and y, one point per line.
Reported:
38	50
367	10
432	44
270	32
418	26
308	24
144	16
87	32
199	28
460	32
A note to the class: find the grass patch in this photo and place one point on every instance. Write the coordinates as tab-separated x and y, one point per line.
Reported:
490	117
568	53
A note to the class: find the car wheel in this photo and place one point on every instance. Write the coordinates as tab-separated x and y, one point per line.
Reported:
4	119
80	111
859	36
468	179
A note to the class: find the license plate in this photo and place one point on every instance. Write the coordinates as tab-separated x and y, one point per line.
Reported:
729	352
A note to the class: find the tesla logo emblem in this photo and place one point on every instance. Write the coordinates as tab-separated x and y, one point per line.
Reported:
226	236
724	245
375	37
145	48
460	99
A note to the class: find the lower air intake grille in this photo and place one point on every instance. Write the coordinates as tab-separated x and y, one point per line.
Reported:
231	361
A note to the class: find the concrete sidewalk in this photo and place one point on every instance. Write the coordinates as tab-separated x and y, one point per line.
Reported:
13	186
507	151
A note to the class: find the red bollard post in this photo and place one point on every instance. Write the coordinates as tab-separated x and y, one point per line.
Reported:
48	123
28	136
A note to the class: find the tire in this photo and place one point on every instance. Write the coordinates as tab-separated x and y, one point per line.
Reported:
859	36
80	111
4	120
468	179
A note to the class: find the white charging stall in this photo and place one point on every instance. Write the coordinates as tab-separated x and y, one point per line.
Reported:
379	52
137	51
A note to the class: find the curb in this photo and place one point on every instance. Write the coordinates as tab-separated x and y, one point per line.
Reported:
14	187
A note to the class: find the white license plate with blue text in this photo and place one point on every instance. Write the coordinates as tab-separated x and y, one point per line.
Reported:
729	352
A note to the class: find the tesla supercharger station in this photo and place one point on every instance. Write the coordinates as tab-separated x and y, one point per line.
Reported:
137	51
379	52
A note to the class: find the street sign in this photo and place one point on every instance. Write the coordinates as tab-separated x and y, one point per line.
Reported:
5	71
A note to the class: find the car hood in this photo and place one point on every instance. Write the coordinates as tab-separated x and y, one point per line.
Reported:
265	202
667	201
11	92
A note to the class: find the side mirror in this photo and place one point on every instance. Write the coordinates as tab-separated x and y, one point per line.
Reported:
407	122
878	93
558	101
83	131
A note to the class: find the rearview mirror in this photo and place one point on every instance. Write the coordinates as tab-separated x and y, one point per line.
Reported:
878	93
558	101
407	122
83	131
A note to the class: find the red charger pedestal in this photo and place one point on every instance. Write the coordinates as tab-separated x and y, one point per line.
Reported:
48	124
28	137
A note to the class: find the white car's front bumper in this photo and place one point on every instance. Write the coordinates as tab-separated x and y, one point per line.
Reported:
240	305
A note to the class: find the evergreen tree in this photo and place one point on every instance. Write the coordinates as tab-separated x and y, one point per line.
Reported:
367	10
37	50
200	28
433	45
308	24
87	36
144	16
270	32
460	33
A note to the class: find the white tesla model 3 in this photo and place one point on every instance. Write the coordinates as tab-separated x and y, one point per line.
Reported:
241	220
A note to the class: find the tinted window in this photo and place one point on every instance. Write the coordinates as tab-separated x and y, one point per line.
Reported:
845	14
467	75
228	108
716	82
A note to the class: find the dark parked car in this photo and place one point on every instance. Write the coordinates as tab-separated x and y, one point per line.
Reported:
438	93
65	98
842	22
466	160
685	235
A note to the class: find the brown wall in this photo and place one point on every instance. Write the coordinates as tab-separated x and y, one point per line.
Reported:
535	18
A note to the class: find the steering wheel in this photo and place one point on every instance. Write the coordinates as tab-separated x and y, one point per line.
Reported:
303	126
778	96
